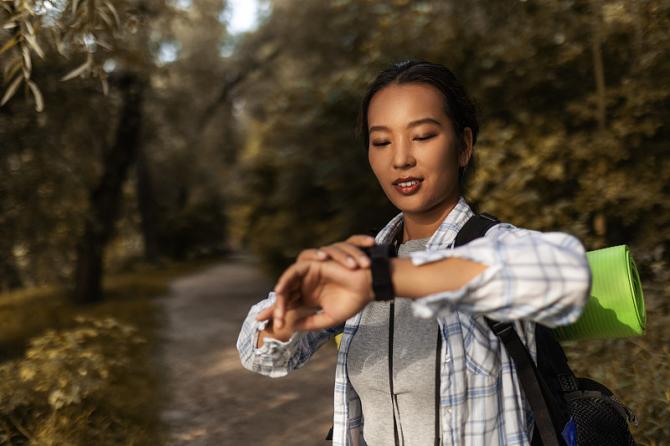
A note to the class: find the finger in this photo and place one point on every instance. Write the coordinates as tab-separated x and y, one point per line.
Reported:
340	256
292	302
283	289
304	311
361	240
290	279
312	254
266	313
279	309
317	321
355	253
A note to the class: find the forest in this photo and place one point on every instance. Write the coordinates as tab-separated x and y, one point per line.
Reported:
144	137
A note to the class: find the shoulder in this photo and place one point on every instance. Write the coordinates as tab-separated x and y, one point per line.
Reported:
505	231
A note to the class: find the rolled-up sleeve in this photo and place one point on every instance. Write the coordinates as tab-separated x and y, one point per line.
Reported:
538	276
276	358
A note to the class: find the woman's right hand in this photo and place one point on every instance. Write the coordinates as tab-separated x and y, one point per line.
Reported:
294	314
346	253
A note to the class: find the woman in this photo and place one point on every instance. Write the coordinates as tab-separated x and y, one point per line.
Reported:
419	129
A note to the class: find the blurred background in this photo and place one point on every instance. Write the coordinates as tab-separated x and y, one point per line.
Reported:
142	141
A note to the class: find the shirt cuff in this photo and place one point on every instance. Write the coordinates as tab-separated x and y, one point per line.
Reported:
271	346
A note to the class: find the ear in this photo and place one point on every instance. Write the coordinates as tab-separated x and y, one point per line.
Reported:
466	151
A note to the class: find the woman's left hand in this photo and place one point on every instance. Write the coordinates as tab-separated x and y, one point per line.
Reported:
346	253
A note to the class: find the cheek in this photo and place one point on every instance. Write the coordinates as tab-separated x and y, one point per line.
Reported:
441	159
443	164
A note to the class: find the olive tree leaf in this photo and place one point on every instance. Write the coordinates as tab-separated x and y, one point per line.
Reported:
27	63
32	41
8	44
11	90
37	94
78	71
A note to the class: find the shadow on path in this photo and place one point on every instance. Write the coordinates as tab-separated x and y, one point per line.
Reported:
214	400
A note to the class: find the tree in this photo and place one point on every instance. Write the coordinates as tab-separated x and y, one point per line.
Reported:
122	44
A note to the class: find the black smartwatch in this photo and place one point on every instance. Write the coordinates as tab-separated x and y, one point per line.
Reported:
380	265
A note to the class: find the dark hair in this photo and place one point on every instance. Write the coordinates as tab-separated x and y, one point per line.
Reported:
457	105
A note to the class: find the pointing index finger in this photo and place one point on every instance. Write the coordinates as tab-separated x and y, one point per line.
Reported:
282	289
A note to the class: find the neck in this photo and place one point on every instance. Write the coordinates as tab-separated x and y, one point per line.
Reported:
423	224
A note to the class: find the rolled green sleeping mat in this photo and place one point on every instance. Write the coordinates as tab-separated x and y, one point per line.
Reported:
616	306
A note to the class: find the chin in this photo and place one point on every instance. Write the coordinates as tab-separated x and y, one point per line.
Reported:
411	206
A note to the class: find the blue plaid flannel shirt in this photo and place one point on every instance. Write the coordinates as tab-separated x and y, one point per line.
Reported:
531	277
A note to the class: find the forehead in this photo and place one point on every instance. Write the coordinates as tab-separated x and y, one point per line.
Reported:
398	104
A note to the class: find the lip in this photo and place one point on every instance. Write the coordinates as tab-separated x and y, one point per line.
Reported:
403	179
409	190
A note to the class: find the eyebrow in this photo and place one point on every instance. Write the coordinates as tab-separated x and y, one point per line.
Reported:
410	125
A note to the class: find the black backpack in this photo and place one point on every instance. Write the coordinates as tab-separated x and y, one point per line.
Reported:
567	410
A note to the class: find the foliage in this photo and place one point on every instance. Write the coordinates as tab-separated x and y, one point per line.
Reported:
74	27
61	378
50	162
96	362
548	157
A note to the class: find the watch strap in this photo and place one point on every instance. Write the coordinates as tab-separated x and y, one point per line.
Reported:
380	266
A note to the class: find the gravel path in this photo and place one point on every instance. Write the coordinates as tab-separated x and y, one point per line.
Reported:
214	400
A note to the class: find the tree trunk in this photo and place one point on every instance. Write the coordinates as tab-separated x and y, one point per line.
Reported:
10	276
10	279
105	199
146	202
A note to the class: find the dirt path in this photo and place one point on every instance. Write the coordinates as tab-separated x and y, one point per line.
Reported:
214	400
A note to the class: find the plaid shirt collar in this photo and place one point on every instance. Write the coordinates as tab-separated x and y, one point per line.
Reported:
443	237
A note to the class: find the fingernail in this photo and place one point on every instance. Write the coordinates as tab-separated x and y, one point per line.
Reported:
321	254
351	262
365	261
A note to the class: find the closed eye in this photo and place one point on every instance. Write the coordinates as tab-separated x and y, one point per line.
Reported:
380	143
425	138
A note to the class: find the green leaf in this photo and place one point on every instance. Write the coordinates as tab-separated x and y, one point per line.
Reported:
11	90
37	94
27	63
113	11
77	71
32	41
9	44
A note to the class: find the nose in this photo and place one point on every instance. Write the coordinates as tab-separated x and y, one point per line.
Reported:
402	156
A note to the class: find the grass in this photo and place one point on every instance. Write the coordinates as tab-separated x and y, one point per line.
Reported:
129	406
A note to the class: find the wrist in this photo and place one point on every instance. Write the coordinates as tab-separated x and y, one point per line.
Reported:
282	335
380	285
370	292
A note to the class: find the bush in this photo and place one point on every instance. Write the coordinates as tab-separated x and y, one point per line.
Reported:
54	394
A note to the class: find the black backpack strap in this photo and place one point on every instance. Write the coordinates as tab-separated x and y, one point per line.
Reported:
536	391
475	228
546	411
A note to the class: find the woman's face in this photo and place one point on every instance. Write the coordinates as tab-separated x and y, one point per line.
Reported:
413	147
